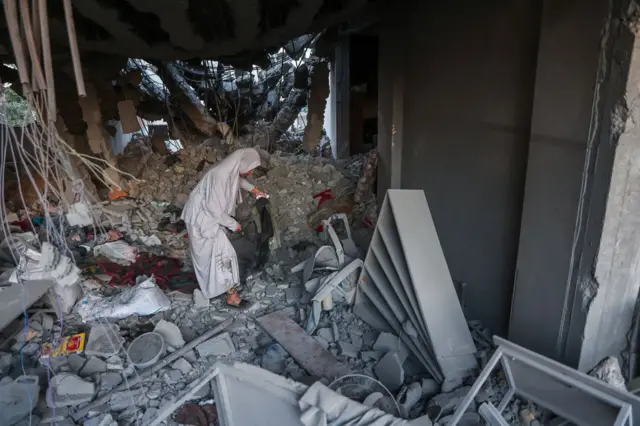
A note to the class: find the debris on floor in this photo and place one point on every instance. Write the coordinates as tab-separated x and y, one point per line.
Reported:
328	335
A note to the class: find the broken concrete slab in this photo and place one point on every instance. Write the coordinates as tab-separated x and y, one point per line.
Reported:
322	342
122	400
302	347
104	340
218	346
76	362
183	365
293	294
349	350
172	377
66	390
387	342
101	420
608	370
390	372
326	334
170	333
109	381
92	366
449	402
373	356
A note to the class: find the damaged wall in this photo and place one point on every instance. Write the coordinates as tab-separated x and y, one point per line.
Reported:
465	132
568	175
617	265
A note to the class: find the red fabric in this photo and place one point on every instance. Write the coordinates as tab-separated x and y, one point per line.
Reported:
166	270
324	196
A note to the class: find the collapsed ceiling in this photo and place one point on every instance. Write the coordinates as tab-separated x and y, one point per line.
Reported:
188	29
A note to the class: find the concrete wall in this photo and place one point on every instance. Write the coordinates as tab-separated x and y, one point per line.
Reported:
617	262
581	73
466	93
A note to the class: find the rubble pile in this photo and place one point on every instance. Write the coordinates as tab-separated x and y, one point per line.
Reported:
171	178
142	345
291	182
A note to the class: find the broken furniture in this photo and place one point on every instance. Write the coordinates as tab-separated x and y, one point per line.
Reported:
405	287
570	394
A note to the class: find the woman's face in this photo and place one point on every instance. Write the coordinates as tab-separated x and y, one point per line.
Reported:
250	172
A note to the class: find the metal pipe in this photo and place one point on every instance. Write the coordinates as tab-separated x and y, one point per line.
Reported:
11	14
73	45
37	34
48	61
36	68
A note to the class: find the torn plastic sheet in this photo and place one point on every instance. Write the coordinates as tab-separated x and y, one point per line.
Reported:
79	215
321	406
117	251
145	298
50	264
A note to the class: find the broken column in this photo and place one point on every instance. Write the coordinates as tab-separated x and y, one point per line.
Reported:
317	105
97	135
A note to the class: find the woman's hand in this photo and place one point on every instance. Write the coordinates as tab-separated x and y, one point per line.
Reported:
238	228
258	194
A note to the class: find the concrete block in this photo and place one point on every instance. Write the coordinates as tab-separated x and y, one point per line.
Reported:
218	346
322	342
149	415
125	399
349	350
182	365
429	388
336	331
449	402
199	301
326	334
92	366
371	355
190	356
293	294
608	370
172	377
76	362
101	420
66	390
170	333
109	381
388	342
104	340
390	372
50	415
271	290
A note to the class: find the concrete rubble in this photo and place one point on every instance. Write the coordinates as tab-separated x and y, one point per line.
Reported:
300	325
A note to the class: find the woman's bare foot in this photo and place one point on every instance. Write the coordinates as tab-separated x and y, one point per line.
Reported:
233	298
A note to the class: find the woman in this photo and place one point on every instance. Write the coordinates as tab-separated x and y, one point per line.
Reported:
207	212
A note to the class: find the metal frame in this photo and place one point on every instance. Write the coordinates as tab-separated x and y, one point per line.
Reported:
552	375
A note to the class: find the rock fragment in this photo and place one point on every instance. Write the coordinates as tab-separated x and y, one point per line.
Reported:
219	346
170	333
390	372
92	366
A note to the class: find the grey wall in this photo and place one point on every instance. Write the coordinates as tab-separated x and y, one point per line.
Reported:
468	75
581	74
